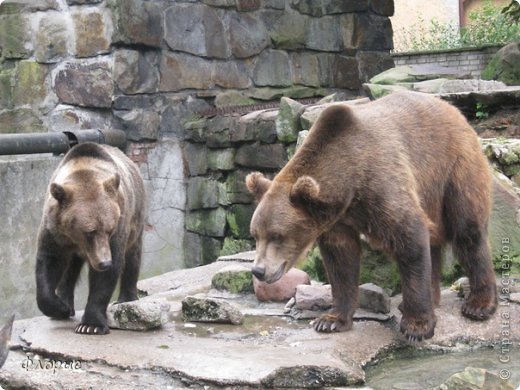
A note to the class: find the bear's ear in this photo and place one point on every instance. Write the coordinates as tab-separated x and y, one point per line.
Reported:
257	184
112	185
59	193
305	194
305	191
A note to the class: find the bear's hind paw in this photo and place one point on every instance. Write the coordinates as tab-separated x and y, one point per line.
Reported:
328	323
92	329
478	309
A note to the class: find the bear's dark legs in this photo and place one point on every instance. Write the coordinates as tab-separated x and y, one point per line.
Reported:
471	248
466	215
101	288
68	282
341	250
49	270
128	288
413	257
436	258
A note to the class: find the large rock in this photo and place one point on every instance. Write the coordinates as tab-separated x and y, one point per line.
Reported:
273	69
415	73
5	336
248	35
207	222
475	379
270	156
288	120
283	289
373	298
238	218
505	65
504	226
199	308
53	38
202	192
30	86
15	35
313	297
91	33
85	84
20	120
137	315
136	72
137	22
286	29
182	71
233	278
195	29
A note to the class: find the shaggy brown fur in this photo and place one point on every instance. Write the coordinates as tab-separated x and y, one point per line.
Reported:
407	172
94	214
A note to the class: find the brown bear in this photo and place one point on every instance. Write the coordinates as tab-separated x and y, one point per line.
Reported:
93	213
407	172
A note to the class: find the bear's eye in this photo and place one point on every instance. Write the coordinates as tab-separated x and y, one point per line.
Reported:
90	235
275	237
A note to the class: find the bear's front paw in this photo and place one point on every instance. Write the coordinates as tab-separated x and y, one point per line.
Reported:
479	306
54	307
418	329
331	323
96	329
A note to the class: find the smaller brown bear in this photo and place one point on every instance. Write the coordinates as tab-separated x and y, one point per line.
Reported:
93	213
407	172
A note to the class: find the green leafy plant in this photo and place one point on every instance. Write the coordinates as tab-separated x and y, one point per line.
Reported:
481	111
488	25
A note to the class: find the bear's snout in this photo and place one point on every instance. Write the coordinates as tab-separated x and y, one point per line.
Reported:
259	273
104	265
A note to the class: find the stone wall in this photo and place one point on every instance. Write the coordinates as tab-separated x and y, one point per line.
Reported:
149	67
469	61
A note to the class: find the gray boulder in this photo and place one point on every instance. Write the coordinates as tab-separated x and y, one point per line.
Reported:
475	379
138	315
199	308
505	65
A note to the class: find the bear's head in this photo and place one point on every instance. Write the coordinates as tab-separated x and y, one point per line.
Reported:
86	210
285	223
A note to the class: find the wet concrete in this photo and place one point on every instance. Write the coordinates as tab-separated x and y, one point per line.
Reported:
267	350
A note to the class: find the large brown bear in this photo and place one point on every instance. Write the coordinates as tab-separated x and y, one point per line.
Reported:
93	213
408	173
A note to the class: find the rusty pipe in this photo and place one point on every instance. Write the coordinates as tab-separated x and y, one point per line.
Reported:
58	143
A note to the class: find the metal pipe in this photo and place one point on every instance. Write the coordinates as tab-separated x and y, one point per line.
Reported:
58	143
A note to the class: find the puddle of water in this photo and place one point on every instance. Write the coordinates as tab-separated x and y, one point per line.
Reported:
407	371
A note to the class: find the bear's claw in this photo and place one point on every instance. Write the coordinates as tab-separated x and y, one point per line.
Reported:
417	329
328	323
91	329
476	308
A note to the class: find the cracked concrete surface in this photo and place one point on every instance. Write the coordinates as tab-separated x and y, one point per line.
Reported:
268	350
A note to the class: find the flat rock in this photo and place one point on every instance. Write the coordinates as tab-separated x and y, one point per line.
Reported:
476	378
224	355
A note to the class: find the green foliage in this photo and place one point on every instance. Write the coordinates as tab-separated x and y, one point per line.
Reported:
487	26
512	11
481	111
314	267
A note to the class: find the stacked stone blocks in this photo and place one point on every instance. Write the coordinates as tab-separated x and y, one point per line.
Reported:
152	67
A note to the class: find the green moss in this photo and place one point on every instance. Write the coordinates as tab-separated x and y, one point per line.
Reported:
233	281
232	246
